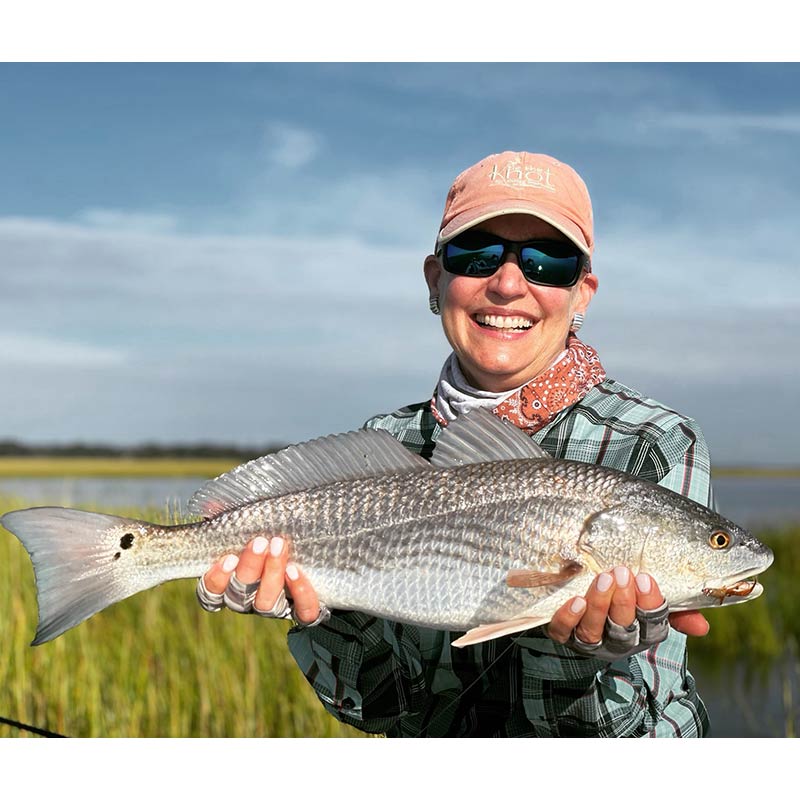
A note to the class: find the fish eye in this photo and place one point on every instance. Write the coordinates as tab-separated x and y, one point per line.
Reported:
719	540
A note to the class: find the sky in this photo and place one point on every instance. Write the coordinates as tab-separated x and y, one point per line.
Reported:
232	252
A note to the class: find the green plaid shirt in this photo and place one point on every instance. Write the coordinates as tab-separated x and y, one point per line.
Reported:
385	677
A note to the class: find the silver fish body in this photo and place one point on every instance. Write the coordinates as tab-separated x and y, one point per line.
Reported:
461	544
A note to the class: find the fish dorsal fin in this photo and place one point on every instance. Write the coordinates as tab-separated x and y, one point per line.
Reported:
339	457
482	436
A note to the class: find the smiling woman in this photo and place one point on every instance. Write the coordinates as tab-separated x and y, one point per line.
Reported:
505	329
512	278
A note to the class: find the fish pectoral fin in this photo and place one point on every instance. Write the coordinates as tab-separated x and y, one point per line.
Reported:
531	578
483	633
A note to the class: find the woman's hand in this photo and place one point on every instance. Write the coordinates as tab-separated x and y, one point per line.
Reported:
619	616
258	580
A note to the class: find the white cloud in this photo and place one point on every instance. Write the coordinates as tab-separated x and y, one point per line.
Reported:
291	146
173	296
698	264
654	127
29	350
719	125
218	337
125	221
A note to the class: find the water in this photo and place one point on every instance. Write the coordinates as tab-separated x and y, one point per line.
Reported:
735	711
758	502
143	493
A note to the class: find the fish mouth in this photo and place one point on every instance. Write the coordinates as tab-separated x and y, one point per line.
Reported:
743	589
736	588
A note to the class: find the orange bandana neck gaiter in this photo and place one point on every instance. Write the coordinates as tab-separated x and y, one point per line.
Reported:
533	405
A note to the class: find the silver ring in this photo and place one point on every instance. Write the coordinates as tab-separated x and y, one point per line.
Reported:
209	601
586	645
239	596
280	610
323	616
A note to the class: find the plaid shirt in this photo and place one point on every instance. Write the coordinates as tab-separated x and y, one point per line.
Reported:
386	677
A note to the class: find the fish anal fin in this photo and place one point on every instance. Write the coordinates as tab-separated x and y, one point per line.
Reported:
494	630
530	578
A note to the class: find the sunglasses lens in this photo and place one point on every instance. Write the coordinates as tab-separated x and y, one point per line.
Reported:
550	263
466	258
479	254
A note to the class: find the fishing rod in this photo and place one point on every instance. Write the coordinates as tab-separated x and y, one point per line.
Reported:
31	729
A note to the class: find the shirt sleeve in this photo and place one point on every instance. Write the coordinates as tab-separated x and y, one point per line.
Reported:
683	448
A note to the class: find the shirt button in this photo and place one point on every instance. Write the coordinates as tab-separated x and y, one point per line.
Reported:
348	704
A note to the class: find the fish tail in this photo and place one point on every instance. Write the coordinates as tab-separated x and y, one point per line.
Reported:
81	563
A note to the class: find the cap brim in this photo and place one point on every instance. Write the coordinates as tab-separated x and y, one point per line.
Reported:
474	216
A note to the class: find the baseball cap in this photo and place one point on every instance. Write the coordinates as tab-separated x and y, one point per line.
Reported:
520	183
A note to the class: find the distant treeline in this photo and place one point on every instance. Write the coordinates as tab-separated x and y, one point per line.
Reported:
146	450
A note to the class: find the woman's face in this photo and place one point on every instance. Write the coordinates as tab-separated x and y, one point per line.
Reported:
496	358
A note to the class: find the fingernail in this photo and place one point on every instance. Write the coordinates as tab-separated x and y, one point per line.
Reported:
623	575
604	582
643	583
276	546
578	605
259	545
230	562
292	572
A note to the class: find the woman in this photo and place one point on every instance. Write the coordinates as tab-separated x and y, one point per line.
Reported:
512	280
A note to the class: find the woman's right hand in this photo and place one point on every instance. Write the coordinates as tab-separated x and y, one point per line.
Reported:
265	562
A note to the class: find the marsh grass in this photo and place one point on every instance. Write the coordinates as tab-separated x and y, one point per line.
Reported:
760	635
101	467
152	665
753	649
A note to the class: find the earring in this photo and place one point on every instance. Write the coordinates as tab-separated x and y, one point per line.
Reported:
434	305
577	322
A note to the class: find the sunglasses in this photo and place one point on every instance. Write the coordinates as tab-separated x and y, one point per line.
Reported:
543	261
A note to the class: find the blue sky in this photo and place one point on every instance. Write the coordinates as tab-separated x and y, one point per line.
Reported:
233	252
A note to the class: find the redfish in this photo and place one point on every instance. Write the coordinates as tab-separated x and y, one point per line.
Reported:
490	537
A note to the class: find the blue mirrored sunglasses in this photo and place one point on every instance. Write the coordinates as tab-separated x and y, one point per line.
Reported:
547	262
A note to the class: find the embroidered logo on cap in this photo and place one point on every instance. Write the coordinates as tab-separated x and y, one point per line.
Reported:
516	173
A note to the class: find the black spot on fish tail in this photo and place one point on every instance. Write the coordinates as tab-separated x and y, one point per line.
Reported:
126	541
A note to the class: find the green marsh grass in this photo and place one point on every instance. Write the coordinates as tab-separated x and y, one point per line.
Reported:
100	467
754	645
153	665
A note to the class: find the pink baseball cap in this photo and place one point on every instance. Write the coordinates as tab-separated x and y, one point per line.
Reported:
520	183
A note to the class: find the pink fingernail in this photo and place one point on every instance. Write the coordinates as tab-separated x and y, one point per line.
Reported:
604	582
230	562
643	583
578	605
292	572
276	546
259	545
623	575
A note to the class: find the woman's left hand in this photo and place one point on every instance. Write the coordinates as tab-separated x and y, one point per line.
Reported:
619	616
